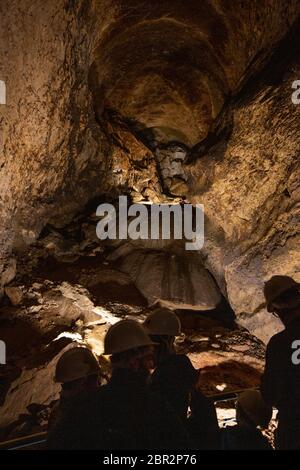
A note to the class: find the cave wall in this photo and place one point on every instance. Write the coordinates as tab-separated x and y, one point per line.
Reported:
85	79
250	186
171	66
49	141
55	157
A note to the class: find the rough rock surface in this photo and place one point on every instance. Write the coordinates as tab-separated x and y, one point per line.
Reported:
176	281
170	68
171	160
101	94
66	301
249	185
228	356
55	157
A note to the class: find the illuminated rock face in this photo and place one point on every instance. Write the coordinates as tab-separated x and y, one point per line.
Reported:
250	186
161	100
89	84
172	280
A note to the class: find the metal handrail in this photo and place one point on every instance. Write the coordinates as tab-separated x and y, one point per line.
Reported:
40	438
228	396
24	441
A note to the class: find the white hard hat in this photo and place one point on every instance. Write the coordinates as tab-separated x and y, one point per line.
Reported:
75	364
125	335
162	321
276	287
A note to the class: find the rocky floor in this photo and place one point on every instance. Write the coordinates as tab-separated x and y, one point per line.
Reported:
70	289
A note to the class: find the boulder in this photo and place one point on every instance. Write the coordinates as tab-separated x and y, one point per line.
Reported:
15	294
177	281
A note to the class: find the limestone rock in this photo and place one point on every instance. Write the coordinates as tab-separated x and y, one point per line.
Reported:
15	294
249	185
35	385
170	160
177	281
9	271
70	303
188	101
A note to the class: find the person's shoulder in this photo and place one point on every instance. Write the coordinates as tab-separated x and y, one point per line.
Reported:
277	339
181	370
182	360
186	364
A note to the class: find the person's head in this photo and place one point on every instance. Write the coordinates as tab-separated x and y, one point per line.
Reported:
282	296
252	411
77	370
163	325
129	347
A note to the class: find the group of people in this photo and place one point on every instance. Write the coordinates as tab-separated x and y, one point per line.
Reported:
152	398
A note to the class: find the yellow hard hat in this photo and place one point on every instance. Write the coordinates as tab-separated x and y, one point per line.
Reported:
255	408
125	335
162	321
275	287
75	364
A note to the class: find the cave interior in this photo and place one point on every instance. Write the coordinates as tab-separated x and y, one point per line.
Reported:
165	102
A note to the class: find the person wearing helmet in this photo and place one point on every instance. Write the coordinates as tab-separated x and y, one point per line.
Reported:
123	414
280	385
175	379
252	415
174	374
78	372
